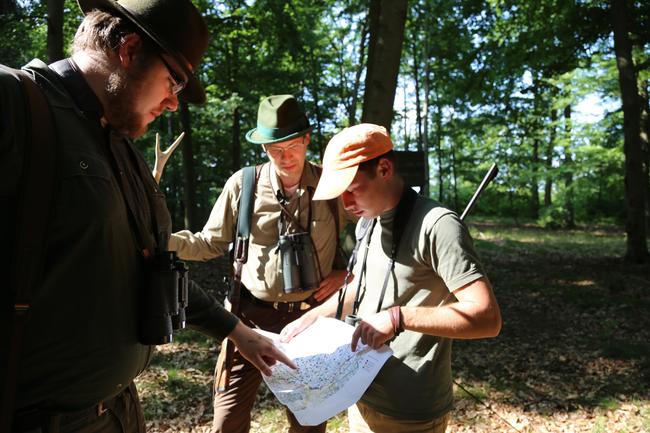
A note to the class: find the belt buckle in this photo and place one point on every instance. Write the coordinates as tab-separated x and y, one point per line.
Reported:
101	410
284	307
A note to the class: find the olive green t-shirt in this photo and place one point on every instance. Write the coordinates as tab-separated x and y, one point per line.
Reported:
435	256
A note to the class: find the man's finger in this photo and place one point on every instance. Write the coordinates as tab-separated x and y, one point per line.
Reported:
288	333
262	366
355	338
280	356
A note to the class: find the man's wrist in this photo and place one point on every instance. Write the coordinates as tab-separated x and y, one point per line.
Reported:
396	319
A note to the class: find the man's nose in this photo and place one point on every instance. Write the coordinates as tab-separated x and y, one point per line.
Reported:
348	201
171	102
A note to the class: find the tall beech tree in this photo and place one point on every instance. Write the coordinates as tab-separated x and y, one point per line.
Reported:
387	20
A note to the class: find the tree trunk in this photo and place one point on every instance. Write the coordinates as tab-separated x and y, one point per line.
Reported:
8	6
425	131
352	110
568	168
441	192
454	177
637	248
236	141
548	184
314	74
234	89
416	80
54	30
407	138
645	145
534	185
387	20
189	192
534	180
170	182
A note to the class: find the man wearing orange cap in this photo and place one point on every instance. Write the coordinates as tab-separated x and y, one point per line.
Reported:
418	284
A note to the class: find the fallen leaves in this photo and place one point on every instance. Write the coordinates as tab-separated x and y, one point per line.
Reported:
573	355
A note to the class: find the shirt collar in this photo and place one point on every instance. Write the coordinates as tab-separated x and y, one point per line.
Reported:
78	88
309	179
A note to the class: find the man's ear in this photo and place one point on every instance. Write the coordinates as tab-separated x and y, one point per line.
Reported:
128	49
385	168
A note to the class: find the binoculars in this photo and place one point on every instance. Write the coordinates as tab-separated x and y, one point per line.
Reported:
164	299
352	319
299	266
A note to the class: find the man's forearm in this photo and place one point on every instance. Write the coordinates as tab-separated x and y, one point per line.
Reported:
206	315
196	246
475	315
329	307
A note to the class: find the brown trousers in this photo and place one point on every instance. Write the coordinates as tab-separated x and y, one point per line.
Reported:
123	414
363	419
232	409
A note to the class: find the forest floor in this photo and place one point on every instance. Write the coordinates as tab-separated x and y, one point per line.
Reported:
573	354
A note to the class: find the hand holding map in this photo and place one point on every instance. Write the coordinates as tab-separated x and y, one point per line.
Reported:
330	377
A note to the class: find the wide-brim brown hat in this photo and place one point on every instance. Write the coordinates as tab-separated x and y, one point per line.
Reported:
279	118
176	26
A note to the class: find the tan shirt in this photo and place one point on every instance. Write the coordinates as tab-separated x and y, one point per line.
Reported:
262	272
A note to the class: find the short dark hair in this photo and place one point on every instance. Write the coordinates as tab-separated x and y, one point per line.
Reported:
102	31
370	167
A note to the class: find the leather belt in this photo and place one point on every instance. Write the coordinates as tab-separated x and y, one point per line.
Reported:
39	420
283	307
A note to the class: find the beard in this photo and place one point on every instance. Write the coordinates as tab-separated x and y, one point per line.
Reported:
123	89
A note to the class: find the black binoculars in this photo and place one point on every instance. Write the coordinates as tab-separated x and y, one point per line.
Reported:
164	299
299	266
352	319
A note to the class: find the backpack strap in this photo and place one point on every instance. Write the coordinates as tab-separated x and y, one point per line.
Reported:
35	199
245	208
240	256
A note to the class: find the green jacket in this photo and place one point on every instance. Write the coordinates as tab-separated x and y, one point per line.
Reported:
81	341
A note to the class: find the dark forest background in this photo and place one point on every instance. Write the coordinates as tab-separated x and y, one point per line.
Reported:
553	91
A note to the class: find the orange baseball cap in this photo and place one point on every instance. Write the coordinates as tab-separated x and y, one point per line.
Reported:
345	151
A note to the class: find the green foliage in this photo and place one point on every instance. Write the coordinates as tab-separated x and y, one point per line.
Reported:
553	217
24	31
502	81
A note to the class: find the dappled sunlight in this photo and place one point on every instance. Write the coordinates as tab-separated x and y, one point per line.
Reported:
584	283
572	355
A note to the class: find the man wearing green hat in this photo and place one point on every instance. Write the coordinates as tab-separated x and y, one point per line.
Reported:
84	227
283	209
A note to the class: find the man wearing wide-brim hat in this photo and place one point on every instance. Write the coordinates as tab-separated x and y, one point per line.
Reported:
283	209
83	220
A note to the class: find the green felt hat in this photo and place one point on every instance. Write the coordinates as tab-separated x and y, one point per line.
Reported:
175	26
279	118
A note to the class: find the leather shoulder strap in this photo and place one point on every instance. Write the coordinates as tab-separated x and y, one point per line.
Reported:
246	200
35	199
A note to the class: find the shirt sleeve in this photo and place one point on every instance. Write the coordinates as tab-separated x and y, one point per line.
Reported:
206	315
217	233
453	255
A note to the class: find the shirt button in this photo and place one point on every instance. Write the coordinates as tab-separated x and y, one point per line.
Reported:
83	164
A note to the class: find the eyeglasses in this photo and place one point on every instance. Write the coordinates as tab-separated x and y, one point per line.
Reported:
178	83
277	151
